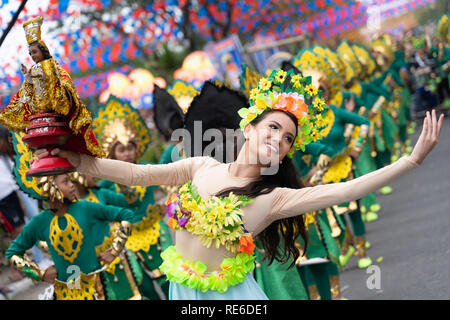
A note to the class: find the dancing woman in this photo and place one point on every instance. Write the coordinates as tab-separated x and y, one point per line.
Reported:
222	206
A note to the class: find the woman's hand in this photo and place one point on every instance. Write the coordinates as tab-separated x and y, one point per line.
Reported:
50	274
428	138
73	157
350	104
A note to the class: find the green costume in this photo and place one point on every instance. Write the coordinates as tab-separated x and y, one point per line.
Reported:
322	228
118	122
277	281
124	278
71	239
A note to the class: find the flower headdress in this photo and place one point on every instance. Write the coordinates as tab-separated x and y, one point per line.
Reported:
287	91
365	58
345	52
378	45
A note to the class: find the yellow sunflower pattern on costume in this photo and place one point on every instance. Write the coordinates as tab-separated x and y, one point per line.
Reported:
106	245
309	218
329	120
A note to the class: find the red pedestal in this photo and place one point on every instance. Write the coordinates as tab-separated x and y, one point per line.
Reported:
47	131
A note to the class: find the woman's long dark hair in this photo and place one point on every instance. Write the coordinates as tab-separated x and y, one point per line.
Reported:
290	228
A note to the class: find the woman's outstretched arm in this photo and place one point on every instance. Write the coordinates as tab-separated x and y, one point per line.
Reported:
290	202
131	174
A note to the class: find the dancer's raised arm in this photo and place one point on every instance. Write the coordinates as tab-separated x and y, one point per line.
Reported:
291	202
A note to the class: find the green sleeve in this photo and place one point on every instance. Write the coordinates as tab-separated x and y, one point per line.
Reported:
350	117
359	102
166	156
347	95
27	238
106	184
377	89
316	149
102	212
113	198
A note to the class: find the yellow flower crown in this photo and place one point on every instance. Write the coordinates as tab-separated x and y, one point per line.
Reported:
287	91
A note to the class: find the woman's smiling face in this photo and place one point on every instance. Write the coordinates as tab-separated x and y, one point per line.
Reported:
271	138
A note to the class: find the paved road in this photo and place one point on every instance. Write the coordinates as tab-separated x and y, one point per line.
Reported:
411	236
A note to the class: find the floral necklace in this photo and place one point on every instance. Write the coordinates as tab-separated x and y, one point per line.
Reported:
217	220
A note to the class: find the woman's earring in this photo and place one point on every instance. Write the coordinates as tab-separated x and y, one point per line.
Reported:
281	161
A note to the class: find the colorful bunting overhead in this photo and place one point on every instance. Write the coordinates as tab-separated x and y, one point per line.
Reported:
80	45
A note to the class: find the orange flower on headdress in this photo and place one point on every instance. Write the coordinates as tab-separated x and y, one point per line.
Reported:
292	103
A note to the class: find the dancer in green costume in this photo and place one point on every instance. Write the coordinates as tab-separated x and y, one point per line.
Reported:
352	102
125	136
318	266
69	229
124	279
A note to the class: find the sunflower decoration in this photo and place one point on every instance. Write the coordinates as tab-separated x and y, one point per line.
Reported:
323	76
117	121
346	53
339	67
289	91
249	81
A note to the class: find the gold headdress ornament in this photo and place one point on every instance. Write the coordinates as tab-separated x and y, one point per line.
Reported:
382	48
335	62
442	28
33	30
50	188
183	93
79	178
365	58
320	70
118	121
346	53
